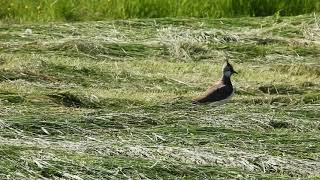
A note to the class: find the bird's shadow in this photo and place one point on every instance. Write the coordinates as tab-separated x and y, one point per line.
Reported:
186	104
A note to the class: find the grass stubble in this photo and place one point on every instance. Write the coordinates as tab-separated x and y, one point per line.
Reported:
111	99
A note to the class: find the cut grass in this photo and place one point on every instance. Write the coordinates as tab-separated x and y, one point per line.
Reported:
112	99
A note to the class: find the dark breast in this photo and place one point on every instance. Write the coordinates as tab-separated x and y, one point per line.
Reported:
215	93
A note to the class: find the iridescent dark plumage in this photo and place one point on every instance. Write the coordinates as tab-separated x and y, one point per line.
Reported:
221	90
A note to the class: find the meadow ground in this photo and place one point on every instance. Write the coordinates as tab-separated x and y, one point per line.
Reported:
112	99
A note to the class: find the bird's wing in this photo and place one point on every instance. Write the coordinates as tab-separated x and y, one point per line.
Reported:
216	92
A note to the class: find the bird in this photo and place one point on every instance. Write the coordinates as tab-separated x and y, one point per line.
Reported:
221	91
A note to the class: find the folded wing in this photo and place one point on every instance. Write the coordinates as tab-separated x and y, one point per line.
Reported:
215	93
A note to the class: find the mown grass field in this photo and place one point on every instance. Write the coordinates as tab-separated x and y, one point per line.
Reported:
112	99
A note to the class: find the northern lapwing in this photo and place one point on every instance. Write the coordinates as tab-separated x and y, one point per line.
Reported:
222	90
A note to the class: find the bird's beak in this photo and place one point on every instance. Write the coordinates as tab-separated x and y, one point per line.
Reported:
234	72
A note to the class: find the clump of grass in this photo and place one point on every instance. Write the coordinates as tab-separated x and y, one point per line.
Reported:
11	98
72	100
186	45
311	98
299	69
279	89
279	124
102	50
281	99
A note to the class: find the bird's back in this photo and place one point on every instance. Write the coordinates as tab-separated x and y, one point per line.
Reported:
217	92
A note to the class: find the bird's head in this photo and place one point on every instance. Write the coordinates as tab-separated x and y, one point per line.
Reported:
227	69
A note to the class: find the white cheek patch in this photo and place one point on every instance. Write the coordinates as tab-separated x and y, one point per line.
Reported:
227	73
